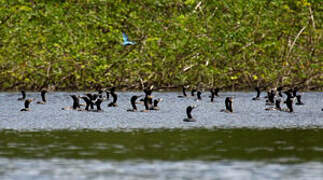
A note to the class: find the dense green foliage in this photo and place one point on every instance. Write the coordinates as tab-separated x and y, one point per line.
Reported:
77	44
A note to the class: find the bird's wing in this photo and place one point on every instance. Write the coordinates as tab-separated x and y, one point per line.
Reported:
131	42
125	37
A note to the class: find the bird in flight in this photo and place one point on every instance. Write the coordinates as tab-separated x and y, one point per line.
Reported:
126	41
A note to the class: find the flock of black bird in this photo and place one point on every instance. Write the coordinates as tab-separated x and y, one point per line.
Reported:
273	100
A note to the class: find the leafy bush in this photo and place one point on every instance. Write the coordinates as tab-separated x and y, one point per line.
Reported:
234	43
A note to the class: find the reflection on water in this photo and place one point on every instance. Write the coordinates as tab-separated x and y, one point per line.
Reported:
162	154
272	145
93	169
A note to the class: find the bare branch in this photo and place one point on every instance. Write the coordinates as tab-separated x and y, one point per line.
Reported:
293	44
312	17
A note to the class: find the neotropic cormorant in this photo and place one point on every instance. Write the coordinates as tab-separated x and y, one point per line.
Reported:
184	92
299	100
258	94
43	97
271	97
92	97
76	104
228	105
198	94
212	94
193	92
133	103
289	103
156	101
148	105
98	105
88	102
107	94
27	103
189	115
295	90
115	98
216	92
23	93
279	90
148	92
100	92
277	106
289	93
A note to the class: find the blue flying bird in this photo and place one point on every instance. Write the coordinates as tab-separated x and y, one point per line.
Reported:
126	41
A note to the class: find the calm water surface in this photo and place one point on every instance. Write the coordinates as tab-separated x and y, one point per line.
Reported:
48	143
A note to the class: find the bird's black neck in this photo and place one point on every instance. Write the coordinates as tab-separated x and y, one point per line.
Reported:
156	103
23	94
114	96
43	96
27	104
193	92
228	105
76	102
88	103
188	112
199	95
147	103
271	97
289	103
98	104
295	91
216	91
212	95
184	91
133	102
258	92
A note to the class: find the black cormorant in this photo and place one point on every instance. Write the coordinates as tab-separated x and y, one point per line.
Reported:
133	104
115	98
156	101
27	103
184	92
228	105
23	93
299	100
277	106
258	94
43	97
189	115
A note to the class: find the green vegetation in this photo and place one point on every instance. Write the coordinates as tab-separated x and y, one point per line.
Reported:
77	44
